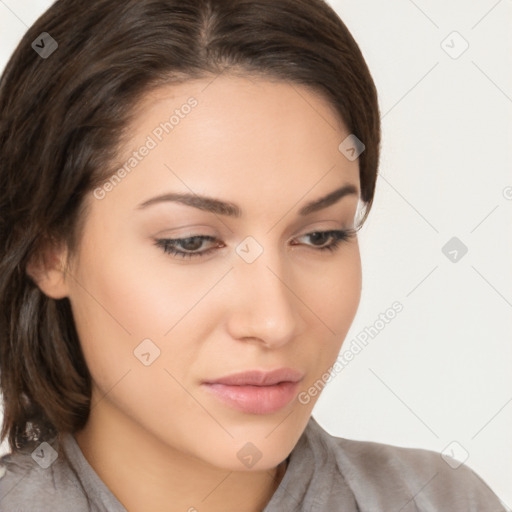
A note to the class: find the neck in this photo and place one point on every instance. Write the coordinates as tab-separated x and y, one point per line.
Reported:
146	474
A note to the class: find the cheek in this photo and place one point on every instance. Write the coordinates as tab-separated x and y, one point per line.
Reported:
124	302
136	291
334	291
120	299
347	291
333	299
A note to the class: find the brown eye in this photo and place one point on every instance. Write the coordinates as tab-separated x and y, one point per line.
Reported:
191	245
336	236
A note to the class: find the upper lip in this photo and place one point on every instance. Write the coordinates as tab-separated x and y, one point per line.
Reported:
259	378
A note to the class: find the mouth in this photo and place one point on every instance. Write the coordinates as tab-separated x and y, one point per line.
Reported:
257	392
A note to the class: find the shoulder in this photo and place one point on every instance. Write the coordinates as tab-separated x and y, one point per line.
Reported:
39	477
387	476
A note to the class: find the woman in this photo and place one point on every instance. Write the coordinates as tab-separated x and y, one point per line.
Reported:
182	183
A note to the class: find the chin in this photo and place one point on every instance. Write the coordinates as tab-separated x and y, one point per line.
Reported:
255	445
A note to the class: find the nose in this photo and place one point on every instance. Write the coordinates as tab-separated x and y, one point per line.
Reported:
262	305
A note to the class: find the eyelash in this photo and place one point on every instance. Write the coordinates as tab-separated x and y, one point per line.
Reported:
167	244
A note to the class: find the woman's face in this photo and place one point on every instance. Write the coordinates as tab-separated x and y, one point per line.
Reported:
254	291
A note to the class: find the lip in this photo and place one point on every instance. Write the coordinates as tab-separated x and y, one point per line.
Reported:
256	391
259	377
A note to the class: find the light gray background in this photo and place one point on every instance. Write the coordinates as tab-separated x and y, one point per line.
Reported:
439	372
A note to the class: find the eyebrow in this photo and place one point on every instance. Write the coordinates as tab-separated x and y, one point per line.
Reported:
219	207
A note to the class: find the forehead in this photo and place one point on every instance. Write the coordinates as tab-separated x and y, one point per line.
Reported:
246	140
227	90
253	109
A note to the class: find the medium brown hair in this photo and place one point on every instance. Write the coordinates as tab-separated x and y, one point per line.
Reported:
62	120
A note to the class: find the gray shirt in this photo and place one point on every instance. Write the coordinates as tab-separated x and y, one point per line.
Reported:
324	474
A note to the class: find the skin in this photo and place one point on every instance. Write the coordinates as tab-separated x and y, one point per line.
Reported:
155	436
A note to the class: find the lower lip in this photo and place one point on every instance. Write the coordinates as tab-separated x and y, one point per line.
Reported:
255	399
